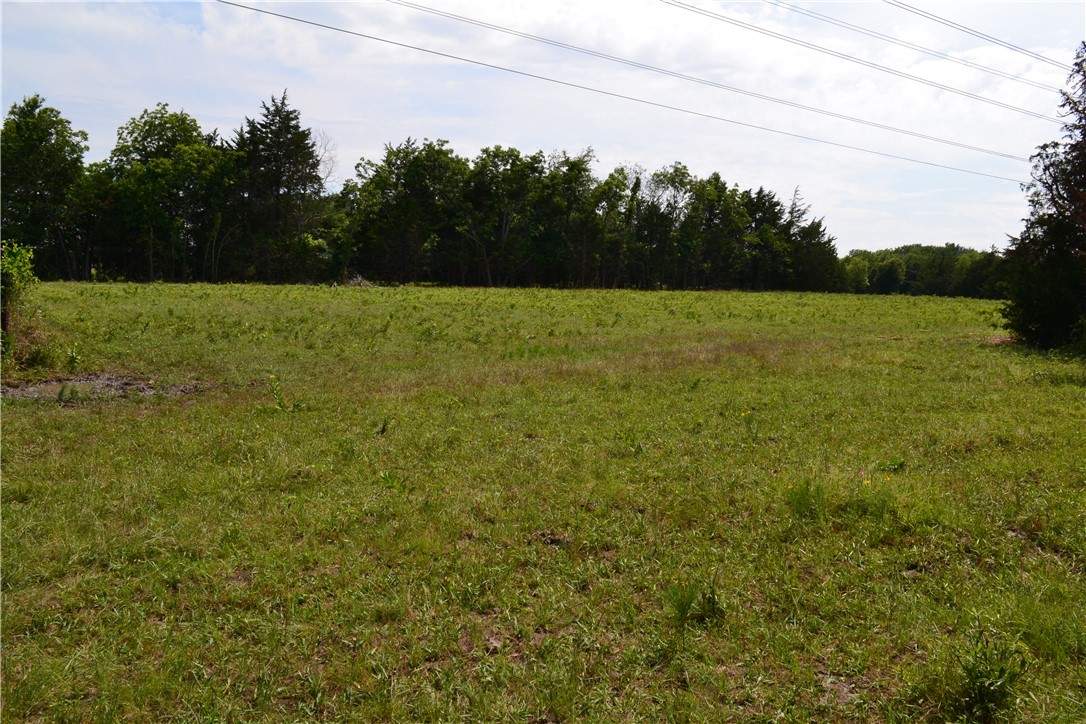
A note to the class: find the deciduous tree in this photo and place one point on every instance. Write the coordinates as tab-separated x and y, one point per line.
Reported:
171	183
42	160
406	210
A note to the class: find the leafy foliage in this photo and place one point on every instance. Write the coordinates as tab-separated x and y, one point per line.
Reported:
42	161
168	184
279	188
507	218
16	279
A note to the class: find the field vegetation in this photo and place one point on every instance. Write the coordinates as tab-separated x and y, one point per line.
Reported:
418	503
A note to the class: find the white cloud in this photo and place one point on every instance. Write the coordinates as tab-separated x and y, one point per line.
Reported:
102	64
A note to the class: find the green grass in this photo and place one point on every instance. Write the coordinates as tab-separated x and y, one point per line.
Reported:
431	504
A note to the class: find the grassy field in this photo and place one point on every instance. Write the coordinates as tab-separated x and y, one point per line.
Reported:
414	504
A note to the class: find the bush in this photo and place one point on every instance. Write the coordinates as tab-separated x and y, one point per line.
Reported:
16	279
1047	283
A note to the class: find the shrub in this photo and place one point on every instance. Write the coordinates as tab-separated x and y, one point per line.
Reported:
16	279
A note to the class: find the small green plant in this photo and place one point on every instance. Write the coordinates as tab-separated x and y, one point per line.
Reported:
681	598
16	276
807	500
630	445
990	668
871	498
39	356
67	394
72	360
277	394
750	422
893	465
394	481
709	606
666	648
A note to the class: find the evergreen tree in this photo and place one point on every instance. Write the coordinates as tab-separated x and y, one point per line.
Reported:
1047	263
280	188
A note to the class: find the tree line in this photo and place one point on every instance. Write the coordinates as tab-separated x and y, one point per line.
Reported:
175	203
917	269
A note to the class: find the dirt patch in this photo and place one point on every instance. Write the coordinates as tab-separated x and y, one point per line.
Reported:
557	540
836	690
71	390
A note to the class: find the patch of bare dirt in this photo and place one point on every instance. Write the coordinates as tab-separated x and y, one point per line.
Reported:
557	540
95	387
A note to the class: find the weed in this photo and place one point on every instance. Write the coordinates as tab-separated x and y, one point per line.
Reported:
281	403
41	357
630	444
72	360
893	465
277	392
394	482
709	607
871	499
806	500
68	394
750	423
681	598
990	667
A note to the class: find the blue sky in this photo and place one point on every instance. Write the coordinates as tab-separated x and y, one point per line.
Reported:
103	63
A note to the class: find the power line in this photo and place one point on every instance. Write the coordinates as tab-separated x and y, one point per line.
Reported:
976	33
702	81
912	46
612	94
854	59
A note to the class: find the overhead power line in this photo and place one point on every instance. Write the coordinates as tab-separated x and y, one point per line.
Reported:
912	46
976	33
612	94
694	79
854	59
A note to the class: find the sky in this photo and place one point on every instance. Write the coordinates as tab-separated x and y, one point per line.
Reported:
102	64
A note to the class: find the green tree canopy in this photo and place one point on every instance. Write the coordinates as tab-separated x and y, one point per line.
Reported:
154	134
171	186
42	160
407	209
502	187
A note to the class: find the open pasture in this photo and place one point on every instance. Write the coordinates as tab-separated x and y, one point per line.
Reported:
413	504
